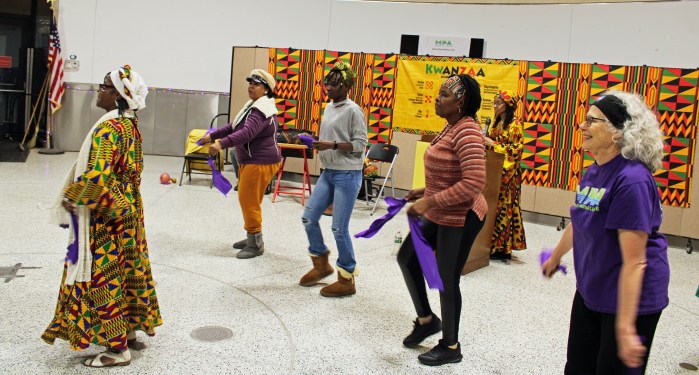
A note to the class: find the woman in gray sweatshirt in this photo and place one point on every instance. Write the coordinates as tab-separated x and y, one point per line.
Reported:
341	146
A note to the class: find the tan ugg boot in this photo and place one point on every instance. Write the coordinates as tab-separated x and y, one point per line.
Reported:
344	286
321	268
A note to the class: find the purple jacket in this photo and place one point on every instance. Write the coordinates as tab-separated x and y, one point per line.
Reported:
254	139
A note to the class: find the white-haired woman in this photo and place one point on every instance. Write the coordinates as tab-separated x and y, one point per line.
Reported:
620	258
107	292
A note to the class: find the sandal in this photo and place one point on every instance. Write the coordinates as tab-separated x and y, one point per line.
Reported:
132	341
109	359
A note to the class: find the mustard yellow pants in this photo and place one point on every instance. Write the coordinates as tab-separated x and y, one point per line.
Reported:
252	182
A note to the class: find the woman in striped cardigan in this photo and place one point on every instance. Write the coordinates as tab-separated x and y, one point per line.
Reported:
452	210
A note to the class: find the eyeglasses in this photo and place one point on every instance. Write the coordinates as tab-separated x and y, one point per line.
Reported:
104	87
590	120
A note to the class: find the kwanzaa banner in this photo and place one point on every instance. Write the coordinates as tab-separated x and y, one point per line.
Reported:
420	77
555	97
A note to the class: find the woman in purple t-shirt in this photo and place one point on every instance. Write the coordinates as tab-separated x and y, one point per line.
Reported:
621	265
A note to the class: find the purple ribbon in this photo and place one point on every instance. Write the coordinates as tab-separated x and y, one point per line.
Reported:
198	142
545	255
307	140
220	182
72	254
425	255
394	206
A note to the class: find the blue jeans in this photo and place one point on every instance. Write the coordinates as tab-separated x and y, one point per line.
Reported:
339	188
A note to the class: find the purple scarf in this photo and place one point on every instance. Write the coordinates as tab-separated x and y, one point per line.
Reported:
394	206
72	254
425	255
221	183
308	141
211	130
545	255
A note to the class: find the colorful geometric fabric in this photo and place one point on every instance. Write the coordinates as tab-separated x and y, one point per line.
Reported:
301	97
121	295
555	98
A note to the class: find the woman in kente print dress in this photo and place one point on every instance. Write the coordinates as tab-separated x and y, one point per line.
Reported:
107	292
505	137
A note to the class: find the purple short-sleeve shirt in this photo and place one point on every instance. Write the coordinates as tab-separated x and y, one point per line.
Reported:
620	194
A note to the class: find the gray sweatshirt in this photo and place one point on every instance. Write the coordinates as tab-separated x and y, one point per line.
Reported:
343	122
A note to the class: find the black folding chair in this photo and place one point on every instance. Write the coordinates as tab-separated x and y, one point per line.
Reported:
382	153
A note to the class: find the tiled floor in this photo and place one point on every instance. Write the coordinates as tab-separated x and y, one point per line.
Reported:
513	320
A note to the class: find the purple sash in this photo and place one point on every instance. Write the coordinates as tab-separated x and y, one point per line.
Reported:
221	183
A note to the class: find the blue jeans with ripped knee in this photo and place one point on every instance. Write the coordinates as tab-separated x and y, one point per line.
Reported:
339	188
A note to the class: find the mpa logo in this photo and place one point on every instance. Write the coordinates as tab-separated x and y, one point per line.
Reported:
442	43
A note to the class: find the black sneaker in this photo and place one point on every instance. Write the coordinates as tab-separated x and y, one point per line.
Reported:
422	331
441	355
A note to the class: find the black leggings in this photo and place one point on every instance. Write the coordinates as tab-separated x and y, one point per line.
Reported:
592	341
452	244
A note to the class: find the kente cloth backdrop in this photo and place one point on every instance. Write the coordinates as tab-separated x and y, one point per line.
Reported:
554	99
557	97
301	97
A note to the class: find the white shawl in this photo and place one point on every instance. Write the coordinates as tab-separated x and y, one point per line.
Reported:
81	271
265	104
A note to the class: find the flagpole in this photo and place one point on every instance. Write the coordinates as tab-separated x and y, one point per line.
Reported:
48	150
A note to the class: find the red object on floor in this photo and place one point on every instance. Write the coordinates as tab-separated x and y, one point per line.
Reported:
280	189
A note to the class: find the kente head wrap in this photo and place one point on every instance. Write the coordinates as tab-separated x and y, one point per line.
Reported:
508	97
130	86
455	85
614	109
345	70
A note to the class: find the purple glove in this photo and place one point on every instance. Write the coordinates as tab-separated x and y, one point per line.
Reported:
545	255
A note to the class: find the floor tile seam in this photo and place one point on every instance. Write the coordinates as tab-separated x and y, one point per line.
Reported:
152	204
290	339
685	309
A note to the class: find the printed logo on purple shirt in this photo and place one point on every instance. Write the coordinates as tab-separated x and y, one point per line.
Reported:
589	197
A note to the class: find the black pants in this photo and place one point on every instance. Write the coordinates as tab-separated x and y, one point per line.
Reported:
592	345
452	245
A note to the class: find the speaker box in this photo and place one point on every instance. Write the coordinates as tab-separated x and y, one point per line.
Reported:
476	49
409	43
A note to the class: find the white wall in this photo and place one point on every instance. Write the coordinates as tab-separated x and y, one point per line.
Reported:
187	44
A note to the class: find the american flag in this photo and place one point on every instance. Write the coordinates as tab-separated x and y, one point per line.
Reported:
56	88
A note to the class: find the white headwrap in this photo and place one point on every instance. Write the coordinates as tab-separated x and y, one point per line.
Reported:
131	87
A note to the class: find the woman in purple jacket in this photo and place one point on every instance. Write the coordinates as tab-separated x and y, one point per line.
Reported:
621	265
253	132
